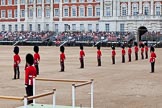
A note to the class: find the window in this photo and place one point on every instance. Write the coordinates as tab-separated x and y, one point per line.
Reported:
135	11
107	28
22	13
146	10
56	1
47	27
66	11
47	12
9	2
90	27
39	13
108	11
97	0
9	28
30	1
81	1
121	27
56	12
39	27
48	1
39	1
9	13
16	27
81	27
56	28
89	0
74	11
124	11
66	1
73	1
81	11
3	13
3	2
15	13
66	27
15	1
30	12
97	11
30	27
22	1
157	10
73	27
90	11
97	27
3	27
22	27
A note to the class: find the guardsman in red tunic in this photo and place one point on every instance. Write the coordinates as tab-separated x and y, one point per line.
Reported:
142	51
129	53
36	58
99	54
113	54
82	54
123	54
30	73
136	50
152	58
146	51
17	61
62	58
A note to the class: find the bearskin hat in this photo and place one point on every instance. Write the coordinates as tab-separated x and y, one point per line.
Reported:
36	49
123	46
113	47
81	46
16	50
98	47
142	45
29	59
129	45
146	44
152	49
135	43
62	48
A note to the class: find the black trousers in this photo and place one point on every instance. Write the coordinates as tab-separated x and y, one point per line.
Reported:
142	56
16	72
81	63
129	57
99	61
152	66
113	59
62	66
146	54
136	56
29	92
37	68
123	58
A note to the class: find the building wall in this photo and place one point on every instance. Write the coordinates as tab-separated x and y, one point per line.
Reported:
101	14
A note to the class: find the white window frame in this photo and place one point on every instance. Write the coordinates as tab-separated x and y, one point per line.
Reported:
3	13
66	1
75	11
107	27
97	27
39	1
146	6
81	1
66	14
39	12
56	1
15	2
47	12
89	1
9	2
108	11
9	13
135	12
73	1
16	27
80	14
22	13
3	2
88	13
22	2
56	27
82	28
31	1
90	28
48	1
15	13
73	27
97	12
56	13
3	27
30	13
124	9
158	12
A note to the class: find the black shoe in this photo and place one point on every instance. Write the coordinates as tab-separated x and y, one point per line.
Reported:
13	78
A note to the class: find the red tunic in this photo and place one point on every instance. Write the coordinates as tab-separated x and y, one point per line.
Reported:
82	54
136	49
17	60
99	54
146	48
142	50
123	51
30	73
152	57
36	58
113	53
62	57
129	51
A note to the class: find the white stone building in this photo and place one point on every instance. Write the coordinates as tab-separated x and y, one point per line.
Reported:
80	15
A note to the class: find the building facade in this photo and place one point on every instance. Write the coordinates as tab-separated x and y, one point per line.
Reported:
80	15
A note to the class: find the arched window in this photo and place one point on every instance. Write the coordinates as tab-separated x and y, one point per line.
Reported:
66	11
81	11
135	9
157	9
146	8
89	11
124	9
73	11
97	10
